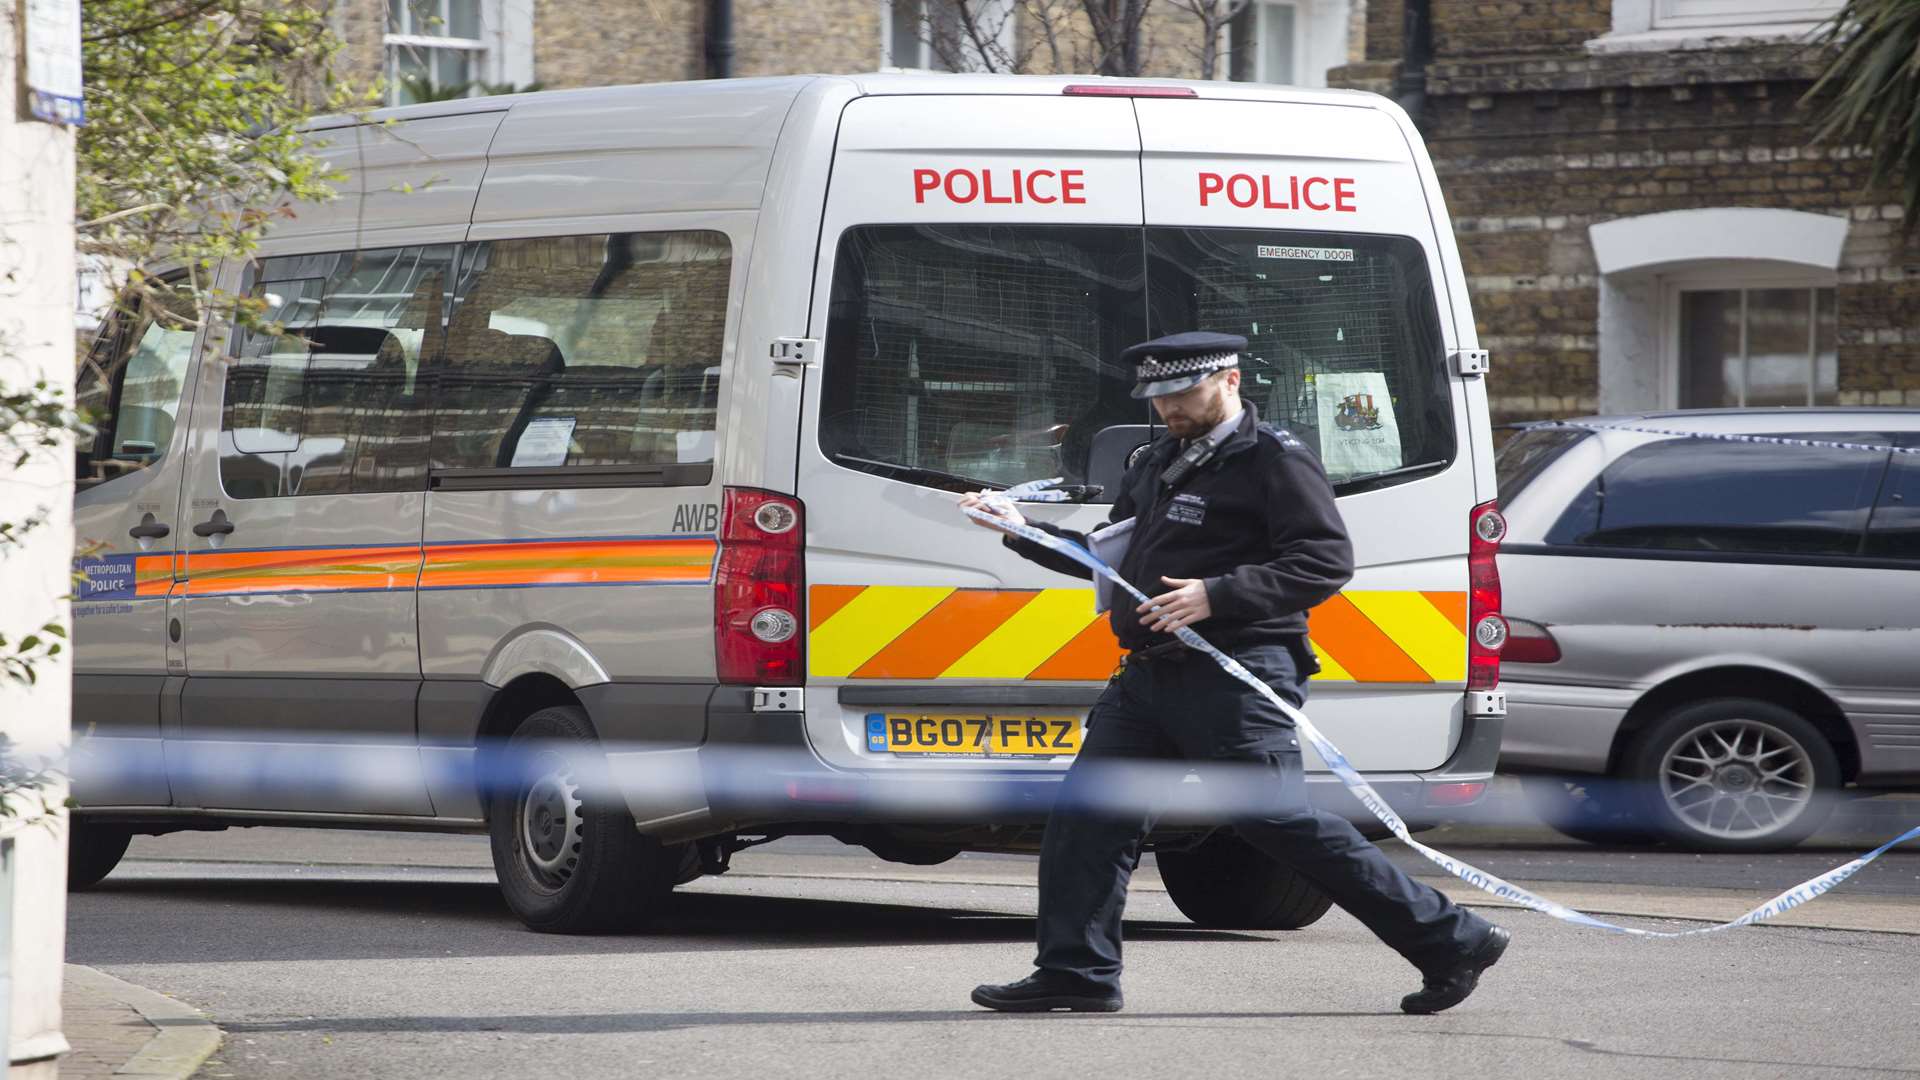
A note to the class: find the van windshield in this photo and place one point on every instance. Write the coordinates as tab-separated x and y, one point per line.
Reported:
957	354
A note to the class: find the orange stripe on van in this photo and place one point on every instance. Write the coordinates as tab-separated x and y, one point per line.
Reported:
1091	655
569	562
1451	604
824	600
1360	646
945	634
300	570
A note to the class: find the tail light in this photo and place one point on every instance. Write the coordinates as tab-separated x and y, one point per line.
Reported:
757	589
1529	642
1128	90
1460	794
1486	629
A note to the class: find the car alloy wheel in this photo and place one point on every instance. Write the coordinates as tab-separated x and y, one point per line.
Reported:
1737	779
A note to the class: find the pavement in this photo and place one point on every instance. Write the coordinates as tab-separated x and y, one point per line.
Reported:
117	1029
347	954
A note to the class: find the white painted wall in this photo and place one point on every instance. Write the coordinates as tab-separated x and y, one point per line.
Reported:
36	342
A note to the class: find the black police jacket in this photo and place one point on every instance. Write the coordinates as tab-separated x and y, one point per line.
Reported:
1256	522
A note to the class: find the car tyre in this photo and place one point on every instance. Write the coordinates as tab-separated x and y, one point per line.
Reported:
1591	809
565	849
1734	774
93	851
1227	884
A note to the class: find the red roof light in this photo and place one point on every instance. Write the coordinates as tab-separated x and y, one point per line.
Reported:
1126	90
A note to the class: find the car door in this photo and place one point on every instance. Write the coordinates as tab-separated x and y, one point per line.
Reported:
133	385
302	539
1891	730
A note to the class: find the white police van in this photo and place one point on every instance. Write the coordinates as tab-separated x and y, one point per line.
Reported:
632	420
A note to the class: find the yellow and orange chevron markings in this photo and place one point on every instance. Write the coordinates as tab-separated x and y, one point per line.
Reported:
936	632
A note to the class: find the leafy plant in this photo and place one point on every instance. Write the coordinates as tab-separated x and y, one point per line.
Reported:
1869	93
23	786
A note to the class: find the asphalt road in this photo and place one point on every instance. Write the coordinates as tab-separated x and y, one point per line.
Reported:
345	954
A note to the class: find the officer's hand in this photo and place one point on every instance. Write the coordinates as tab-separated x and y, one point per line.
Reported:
978	501
1185	605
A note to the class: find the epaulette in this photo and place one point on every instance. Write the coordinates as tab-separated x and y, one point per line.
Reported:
1284	437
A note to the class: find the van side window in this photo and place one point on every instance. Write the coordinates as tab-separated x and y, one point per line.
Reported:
339	403
130	386
582	351
962	354
1895	531
1703	495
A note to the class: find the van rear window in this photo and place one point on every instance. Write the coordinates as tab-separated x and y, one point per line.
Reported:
958	355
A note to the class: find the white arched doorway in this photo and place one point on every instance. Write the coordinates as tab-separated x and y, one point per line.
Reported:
1717	306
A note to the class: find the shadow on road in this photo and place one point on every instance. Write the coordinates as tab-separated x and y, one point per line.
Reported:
162	921
650	1022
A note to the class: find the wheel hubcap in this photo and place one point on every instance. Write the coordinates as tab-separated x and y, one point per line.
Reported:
551	828
1737	779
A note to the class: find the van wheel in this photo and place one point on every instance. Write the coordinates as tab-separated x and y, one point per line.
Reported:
1735	774
565	848
93	851
1227	884
1591	809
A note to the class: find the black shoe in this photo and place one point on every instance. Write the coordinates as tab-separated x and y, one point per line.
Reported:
1450	987
1045	991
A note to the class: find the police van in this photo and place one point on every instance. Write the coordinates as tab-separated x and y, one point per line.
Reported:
624	427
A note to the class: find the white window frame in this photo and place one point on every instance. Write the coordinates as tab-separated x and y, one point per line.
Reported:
1649	25
503	53
927	58
1744	280
1318	26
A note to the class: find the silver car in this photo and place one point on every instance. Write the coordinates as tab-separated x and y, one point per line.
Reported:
1713	620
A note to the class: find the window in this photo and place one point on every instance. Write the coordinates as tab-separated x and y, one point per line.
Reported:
131	383
1756	347
1895	531
1528	454
1678	14
1343	335
984	353
957	355
1700	495
1663	24
338	404
936	35
434	49
586	351
1265	44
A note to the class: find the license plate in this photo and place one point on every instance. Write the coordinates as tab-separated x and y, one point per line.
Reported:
975	734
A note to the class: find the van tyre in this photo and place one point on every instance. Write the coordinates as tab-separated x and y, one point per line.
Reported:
93	851
1227	884
1734	774
564	846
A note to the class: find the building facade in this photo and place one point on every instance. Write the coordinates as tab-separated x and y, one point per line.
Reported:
1644	217
423	48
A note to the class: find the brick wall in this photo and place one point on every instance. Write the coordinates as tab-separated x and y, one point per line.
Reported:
1536	140
587	43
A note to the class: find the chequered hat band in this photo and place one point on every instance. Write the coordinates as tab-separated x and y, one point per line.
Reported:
1152	370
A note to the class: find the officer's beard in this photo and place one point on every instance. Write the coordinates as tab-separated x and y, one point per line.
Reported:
1192	425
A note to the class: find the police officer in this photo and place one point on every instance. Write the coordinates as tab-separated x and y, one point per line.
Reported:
1235	525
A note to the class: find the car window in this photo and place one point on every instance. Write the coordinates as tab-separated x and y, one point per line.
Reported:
600	350
1711	496
1343	337
959	354
1527	455
130	385
1895	530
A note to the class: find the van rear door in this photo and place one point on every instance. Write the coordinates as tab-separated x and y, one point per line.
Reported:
1307	228
980	268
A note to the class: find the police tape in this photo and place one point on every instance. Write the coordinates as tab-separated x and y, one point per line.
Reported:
1710	436
1038	491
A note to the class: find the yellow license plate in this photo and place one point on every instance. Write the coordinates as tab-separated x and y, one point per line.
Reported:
978	734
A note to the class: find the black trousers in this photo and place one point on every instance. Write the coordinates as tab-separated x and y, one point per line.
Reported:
1187	708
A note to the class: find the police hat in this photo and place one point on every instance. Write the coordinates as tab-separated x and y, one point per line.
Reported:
1179	362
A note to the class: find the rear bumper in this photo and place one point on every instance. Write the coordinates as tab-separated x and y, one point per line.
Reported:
756	770
1558	728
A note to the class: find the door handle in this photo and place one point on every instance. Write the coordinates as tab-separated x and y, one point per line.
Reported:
148	529
217	525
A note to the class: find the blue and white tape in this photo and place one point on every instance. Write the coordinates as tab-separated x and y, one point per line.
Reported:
1710	436
1036	491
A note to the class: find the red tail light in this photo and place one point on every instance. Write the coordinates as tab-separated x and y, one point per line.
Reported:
1486	629
757	632
1461	794
1529	643
1128	90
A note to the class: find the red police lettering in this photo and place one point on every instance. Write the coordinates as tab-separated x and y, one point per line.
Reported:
1043	186
1245	191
